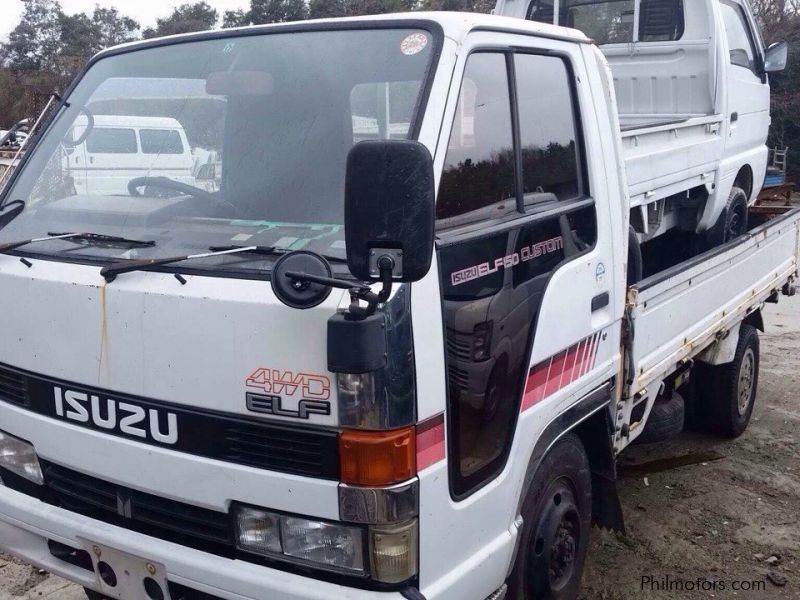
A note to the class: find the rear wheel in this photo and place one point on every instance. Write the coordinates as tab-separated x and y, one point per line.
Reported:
732	222
728	392
556	517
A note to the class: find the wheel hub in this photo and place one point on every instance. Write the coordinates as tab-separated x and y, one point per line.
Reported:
745	384
562	554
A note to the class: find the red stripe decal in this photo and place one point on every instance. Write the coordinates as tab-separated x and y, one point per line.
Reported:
430	442
558	371
534	388
594	354
569	366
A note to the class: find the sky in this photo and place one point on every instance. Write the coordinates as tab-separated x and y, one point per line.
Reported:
144	11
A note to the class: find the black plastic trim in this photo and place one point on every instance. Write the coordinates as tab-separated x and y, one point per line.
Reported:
208	431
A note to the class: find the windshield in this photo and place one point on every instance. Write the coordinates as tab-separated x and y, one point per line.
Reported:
239	140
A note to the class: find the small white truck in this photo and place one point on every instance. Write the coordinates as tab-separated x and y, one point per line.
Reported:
693	100
364	367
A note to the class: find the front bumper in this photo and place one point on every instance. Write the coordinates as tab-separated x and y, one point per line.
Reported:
26	525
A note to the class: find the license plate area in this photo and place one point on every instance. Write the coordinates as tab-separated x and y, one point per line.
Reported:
124	576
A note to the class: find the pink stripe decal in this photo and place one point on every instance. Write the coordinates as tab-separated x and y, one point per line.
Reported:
558	371
430	442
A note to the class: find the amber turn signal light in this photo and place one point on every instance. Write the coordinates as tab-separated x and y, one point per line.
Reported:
377	458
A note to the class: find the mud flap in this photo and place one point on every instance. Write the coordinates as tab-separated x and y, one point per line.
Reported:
597	436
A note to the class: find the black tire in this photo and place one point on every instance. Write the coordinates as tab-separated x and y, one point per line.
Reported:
635	260
557	514
92	595
666	420
732	222
727	393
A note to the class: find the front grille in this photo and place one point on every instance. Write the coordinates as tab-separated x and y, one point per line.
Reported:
298	452
276	446
459	378
13	387
159	517
459	345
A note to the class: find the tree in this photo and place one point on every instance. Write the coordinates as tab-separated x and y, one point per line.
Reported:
113	28
184	19
277	11
35	42
235	18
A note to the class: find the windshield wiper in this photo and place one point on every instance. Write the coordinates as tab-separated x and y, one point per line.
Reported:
101	238
272	251
111	271
96	238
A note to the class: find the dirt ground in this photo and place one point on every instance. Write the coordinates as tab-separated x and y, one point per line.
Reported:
730	519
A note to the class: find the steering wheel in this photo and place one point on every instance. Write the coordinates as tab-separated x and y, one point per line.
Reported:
177	186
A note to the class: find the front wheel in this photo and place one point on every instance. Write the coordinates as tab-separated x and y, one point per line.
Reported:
556	515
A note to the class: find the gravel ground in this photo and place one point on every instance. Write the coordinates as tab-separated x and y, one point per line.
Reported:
730	520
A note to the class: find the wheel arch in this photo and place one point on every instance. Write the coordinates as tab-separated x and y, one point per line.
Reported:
744	180
590	421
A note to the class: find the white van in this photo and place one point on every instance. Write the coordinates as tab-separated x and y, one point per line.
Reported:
121	148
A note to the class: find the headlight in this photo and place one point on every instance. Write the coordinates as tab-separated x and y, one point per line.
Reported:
332	545
482	341
20	458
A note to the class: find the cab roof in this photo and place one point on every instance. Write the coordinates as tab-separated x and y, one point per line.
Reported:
456	25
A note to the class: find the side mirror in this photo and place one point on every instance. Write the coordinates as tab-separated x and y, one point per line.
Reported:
389	210
776	57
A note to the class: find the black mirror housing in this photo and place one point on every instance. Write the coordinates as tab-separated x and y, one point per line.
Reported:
389	209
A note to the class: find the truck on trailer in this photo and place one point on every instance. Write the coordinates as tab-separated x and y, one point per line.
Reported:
692	88
394	355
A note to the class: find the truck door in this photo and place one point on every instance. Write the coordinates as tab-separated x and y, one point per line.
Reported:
526	277
747	87
514	210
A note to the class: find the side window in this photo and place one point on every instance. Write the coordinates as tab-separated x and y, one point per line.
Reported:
548	132
160	141
111	140
542	11
740	40
661	20
478	175
611	21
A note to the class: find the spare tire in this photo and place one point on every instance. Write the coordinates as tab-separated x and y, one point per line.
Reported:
666	419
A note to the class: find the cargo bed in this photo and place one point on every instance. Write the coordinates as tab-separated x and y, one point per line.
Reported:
677	314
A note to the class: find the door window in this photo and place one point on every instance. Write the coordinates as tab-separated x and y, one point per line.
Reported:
111	140
478	175
548	133
740	39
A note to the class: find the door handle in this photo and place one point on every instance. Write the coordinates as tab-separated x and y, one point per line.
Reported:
734	117
600	301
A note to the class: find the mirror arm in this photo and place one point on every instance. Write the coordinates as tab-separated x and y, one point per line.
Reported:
357	292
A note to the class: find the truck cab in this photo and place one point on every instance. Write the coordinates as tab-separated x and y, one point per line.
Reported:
390	356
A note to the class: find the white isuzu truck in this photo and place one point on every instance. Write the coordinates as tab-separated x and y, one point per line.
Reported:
395	355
